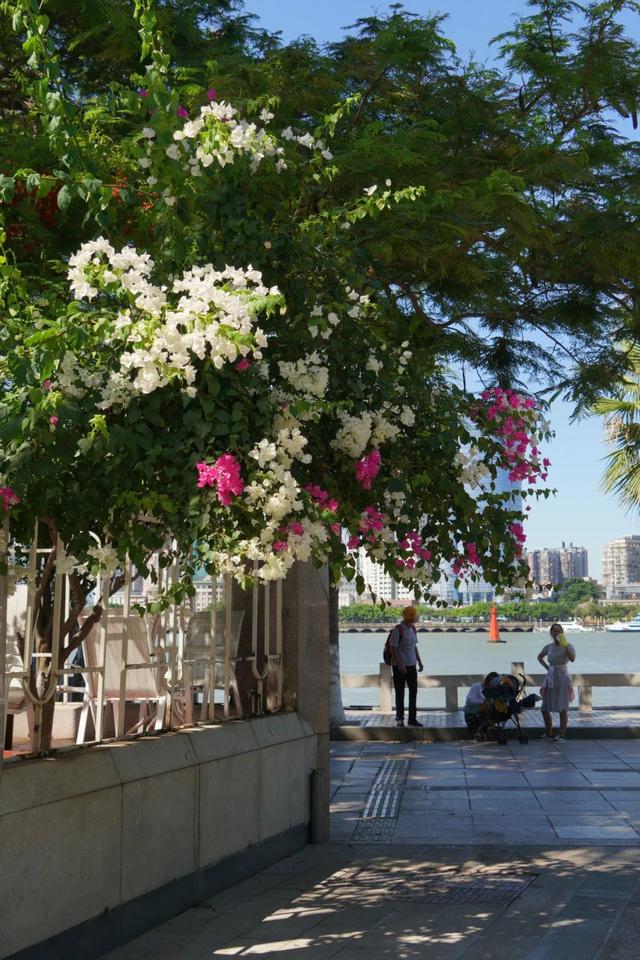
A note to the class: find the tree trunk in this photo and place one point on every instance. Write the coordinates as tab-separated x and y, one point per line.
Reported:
46	723
335	688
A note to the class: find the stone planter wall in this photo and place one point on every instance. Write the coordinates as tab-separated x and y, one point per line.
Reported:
98	844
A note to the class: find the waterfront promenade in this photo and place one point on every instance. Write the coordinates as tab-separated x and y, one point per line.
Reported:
372	724
444	851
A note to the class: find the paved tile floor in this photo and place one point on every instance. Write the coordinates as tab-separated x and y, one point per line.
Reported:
445	850
483	793
600	718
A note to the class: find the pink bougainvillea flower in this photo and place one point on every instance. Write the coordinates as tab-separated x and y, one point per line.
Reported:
400	564
353	543
368	468
518	532
142	92
296	528
336	528
182	111
426	555
371	519
53	420
8	497
472	553
322	497
47	385
243	365
212	94
279	546
223	474
205	478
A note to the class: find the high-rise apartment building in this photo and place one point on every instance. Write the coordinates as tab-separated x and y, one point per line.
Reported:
557	564
380	582
621	568
513	487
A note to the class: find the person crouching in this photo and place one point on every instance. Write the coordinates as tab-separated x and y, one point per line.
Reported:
476	706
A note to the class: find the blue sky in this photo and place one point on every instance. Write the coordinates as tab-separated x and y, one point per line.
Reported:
579	513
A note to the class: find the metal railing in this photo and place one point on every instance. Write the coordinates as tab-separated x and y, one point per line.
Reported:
452	683
177	667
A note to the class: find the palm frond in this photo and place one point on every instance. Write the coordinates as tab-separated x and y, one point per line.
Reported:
621	415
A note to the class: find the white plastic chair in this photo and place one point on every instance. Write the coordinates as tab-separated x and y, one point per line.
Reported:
145	680
197	654
17	700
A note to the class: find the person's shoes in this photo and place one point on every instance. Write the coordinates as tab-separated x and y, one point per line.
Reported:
399	723
545	736
559	740
414	723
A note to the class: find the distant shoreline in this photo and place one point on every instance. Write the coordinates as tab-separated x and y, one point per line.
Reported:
509	627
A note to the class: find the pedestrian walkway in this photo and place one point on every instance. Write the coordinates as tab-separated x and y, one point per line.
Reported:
470	792
450	724
444	852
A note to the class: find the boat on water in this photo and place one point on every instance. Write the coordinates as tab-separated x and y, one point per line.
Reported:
574	626
625	626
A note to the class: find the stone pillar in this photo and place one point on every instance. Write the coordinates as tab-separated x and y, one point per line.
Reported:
307	673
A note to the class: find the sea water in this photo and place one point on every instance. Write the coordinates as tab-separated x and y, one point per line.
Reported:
456	653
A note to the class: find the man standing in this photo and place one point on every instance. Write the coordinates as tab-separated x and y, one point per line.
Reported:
406	663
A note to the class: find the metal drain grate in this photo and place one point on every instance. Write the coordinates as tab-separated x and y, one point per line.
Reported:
428	886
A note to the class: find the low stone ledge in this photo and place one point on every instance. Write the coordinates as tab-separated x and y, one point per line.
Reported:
101	827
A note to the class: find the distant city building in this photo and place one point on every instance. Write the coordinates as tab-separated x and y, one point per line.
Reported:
347	593
144	591
380	582
621	568
513	487
557	564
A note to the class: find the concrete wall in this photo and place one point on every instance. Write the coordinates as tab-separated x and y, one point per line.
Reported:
101	829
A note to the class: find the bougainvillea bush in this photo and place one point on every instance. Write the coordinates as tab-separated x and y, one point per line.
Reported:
208	367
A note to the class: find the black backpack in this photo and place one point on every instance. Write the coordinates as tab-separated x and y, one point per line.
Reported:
386	653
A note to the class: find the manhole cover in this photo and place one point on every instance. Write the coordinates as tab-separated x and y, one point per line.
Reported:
421	886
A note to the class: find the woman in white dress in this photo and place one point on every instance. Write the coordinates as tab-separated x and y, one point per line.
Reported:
557	688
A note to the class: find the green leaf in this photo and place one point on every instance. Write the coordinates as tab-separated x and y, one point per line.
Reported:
42	336
7	188
64	198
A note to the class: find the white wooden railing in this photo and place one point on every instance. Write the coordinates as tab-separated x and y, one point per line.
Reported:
452	683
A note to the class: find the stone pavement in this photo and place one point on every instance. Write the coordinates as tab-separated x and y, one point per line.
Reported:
482	793
496	853
450	725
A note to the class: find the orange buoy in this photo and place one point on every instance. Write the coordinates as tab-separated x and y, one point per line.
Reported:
494	632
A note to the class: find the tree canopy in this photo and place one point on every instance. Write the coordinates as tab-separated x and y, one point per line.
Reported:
254	266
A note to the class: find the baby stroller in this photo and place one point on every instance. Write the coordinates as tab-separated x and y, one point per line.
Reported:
506	698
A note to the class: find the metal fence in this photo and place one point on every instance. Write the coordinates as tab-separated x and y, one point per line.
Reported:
134	674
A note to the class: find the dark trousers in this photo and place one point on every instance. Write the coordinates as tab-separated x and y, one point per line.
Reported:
410	678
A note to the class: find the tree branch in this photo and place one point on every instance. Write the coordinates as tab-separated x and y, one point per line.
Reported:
92	619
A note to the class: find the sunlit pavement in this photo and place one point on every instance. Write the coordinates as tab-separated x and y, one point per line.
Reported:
525	852
540	792
450	724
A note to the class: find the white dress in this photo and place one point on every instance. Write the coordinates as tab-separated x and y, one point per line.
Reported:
557	688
